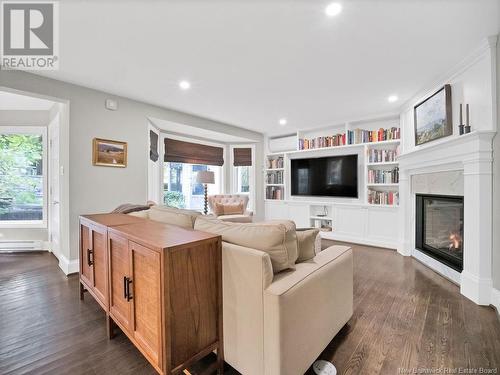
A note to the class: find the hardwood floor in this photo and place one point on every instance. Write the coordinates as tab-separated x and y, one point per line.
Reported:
405	316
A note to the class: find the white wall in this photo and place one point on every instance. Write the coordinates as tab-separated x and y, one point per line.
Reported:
100	189
471	82
496	184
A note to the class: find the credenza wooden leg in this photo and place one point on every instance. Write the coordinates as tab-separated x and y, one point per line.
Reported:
110	325
220	362
82	291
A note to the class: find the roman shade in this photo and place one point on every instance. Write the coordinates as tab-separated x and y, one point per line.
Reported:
153	146
192	153
242	157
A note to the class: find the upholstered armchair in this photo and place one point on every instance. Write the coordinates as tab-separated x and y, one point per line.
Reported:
230	207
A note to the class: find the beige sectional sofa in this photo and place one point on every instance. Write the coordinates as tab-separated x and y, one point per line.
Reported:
279	315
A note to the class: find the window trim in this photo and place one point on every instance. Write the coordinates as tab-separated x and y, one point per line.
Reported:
252	176
31	224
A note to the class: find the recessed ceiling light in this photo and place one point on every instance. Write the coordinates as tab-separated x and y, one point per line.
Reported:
282	121
333	9
392	98
184	85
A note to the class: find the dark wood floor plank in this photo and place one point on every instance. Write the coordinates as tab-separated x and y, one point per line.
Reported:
405	316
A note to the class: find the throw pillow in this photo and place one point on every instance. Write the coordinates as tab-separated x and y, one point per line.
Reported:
306	240
277	239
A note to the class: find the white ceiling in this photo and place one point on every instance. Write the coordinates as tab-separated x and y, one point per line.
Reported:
14	102
253	62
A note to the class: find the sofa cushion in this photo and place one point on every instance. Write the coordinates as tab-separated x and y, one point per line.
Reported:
143	214
278	239
306	243
229	209
175	216
236	218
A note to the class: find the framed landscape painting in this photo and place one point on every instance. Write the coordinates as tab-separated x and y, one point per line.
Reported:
109	153
433	117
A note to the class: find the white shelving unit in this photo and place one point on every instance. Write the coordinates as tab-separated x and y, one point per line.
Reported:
274	177
342	219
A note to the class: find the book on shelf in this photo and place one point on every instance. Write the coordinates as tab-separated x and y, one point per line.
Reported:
390	198
367	136
275	163
321	142
380	176
274	192
275	177
383	156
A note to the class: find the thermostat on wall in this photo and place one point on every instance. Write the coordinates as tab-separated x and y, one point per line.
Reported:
111	104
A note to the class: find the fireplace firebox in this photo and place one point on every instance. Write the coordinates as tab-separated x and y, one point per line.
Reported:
440	228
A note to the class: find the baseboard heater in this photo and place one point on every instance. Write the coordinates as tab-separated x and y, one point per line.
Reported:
6	246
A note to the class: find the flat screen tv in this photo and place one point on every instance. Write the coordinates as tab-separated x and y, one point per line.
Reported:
333	176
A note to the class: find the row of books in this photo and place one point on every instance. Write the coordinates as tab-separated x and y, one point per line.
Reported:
320	142
274	192
275	163
275	177
366	136
383	197
382	156
380	176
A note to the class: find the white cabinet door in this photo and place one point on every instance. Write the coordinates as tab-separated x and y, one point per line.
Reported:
349	221
276	210
382	226
299	213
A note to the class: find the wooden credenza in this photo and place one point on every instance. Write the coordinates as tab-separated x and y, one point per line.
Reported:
161	284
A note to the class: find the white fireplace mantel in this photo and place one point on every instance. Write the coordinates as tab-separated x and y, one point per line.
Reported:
473	154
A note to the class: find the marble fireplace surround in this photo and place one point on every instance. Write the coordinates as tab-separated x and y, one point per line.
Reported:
423	171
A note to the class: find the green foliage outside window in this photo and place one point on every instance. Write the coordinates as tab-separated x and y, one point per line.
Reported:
174	199
21	176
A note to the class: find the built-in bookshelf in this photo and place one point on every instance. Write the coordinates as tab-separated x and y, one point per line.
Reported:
275	177
379	139
382	172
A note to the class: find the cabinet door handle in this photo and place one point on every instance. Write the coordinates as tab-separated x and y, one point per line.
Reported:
90	261
129	296
125	287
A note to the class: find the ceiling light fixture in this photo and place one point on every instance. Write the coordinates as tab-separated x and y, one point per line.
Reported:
392	98
184	85
283	121
333	9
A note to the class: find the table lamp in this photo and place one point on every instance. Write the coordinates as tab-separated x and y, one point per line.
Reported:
205	177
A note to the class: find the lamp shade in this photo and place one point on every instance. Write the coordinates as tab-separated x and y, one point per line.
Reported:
205	177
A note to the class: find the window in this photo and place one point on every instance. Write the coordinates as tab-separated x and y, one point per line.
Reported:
242	180
22	176
180	188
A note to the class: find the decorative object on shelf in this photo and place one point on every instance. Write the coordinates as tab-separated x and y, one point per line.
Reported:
461	126
467	120
205	178
383	198
433	117
275	163
107	153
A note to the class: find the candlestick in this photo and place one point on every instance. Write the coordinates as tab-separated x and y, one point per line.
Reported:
467	114
461	119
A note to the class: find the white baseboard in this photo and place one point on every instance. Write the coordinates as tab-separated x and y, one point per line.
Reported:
495	299
68	266
476	289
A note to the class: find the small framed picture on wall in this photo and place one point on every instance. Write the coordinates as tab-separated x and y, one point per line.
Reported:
433	117
108	153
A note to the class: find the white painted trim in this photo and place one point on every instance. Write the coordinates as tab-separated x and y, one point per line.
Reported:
68	266
437	266
475	288
23	245
495	299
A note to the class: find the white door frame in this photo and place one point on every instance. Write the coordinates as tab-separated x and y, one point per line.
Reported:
67	264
